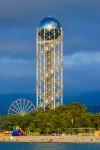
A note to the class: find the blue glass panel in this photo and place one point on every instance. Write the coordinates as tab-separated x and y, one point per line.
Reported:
49	22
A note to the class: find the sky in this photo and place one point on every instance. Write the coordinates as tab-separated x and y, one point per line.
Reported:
80	20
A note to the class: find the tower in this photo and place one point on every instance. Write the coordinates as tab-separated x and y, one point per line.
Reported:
49	65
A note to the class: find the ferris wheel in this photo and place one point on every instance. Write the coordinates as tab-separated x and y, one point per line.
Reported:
21	106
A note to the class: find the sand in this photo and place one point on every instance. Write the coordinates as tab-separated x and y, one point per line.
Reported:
55	139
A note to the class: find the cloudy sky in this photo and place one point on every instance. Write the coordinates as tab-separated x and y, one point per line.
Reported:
80	20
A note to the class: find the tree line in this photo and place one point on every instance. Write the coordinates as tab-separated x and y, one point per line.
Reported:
62	119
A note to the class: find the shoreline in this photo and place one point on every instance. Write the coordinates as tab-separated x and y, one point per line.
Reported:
51	139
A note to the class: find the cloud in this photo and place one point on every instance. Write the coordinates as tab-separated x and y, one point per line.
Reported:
16	67
79	44
21	41
17	49
17	42
79	36
25	8
31	9
81	72
17	75
19	18
82	58
80	20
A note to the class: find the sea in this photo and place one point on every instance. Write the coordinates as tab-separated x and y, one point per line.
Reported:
48	146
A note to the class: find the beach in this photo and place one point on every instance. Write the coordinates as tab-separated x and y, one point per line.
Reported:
53	139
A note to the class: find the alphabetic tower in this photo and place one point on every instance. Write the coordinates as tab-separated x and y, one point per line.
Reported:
49	64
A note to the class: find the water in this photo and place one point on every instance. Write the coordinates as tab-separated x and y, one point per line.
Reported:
48	146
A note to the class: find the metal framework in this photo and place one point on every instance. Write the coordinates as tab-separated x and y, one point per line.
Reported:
49	67
21	106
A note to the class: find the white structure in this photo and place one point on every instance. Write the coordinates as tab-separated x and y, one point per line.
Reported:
49	63
21	106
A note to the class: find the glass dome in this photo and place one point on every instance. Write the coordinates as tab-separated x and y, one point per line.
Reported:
49	23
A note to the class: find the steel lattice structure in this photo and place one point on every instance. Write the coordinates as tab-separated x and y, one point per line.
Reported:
49	63
21	106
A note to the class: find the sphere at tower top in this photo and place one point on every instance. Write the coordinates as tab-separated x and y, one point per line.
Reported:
49	23
49	29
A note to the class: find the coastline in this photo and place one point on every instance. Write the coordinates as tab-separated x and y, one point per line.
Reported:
52	139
